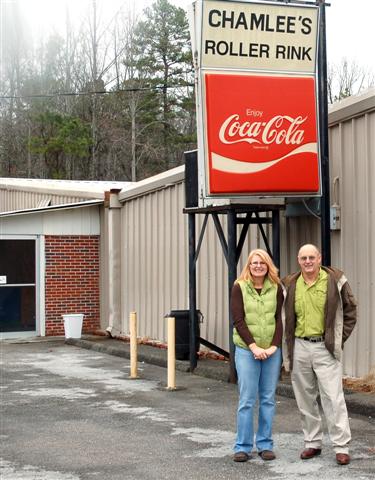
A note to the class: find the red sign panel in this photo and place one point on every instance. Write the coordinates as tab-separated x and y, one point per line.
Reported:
261	134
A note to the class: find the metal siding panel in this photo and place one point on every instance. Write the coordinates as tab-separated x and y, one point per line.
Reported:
370	304
211	285
167	280
362	239
157	257
158	217
12	200
349	255
163	267
79	221
352	153
183	250
359	352
138	291
30	225
204	272
126	259
370	152
129	261
146	248
153	259
213	278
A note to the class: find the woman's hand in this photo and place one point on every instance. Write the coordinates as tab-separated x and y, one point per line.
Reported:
270	350
259	353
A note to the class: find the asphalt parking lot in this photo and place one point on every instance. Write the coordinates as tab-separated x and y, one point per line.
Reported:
69	413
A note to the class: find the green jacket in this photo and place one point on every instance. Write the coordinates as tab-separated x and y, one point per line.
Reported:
340	314
260	311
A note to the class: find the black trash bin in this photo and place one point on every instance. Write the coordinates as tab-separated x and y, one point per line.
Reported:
182	332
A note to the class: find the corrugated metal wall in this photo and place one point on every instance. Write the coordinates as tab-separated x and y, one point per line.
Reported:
154	258
155	265
13	200
155	246
352	158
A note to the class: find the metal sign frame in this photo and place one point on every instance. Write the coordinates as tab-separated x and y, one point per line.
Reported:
206	196
232	250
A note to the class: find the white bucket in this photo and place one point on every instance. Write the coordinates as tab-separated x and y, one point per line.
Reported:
73	325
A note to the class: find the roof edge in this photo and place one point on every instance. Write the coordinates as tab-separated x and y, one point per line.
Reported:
151	184
352	107
69	188
65	206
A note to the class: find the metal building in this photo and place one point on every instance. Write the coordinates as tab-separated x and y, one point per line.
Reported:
143	239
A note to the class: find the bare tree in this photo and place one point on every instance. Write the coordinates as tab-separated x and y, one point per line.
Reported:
127	76
136	97
347	78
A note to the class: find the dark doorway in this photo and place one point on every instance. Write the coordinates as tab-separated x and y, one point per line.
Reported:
17	285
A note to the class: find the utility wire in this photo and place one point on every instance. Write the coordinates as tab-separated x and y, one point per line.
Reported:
97	92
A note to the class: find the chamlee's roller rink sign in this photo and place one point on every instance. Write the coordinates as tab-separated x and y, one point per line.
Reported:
256	98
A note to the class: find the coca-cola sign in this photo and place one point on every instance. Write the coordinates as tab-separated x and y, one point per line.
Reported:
279	129
261	135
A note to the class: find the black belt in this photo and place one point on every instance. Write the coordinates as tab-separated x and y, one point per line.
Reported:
313	339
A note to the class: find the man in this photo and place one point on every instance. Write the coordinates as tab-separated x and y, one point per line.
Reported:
320	313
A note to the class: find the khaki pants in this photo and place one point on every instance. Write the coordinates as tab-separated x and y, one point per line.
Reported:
315	371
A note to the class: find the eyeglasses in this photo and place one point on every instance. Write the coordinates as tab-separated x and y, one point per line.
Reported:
257	264
310	258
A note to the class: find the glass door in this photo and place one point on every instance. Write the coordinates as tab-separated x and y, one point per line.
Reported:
17	286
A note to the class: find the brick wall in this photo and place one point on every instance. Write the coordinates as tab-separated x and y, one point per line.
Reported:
71	281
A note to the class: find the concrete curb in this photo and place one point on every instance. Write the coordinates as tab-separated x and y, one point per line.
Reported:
357	403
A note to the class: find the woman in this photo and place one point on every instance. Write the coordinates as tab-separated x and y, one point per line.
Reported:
256	302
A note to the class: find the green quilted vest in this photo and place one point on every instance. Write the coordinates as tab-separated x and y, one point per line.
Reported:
259	313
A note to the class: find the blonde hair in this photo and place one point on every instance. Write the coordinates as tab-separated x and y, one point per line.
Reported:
272	271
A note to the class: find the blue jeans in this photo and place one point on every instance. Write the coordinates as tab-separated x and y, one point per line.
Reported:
256	378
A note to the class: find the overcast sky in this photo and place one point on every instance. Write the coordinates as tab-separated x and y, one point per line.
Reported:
350	23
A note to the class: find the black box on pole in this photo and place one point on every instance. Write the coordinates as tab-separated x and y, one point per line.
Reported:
191	179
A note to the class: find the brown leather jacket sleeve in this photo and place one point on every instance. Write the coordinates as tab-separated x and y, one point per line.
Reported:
278	335
350	311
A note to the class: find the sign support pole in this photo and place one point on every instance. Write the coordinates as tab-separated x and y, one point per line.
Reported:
192	292
276	238
232	275
324	149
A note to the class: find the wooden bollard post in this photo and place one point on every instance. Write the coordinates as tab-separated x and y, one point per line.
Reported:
171	353
133	345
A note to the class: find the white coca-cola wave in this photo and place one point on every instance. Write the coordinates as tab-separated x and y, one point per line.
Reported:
230	165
